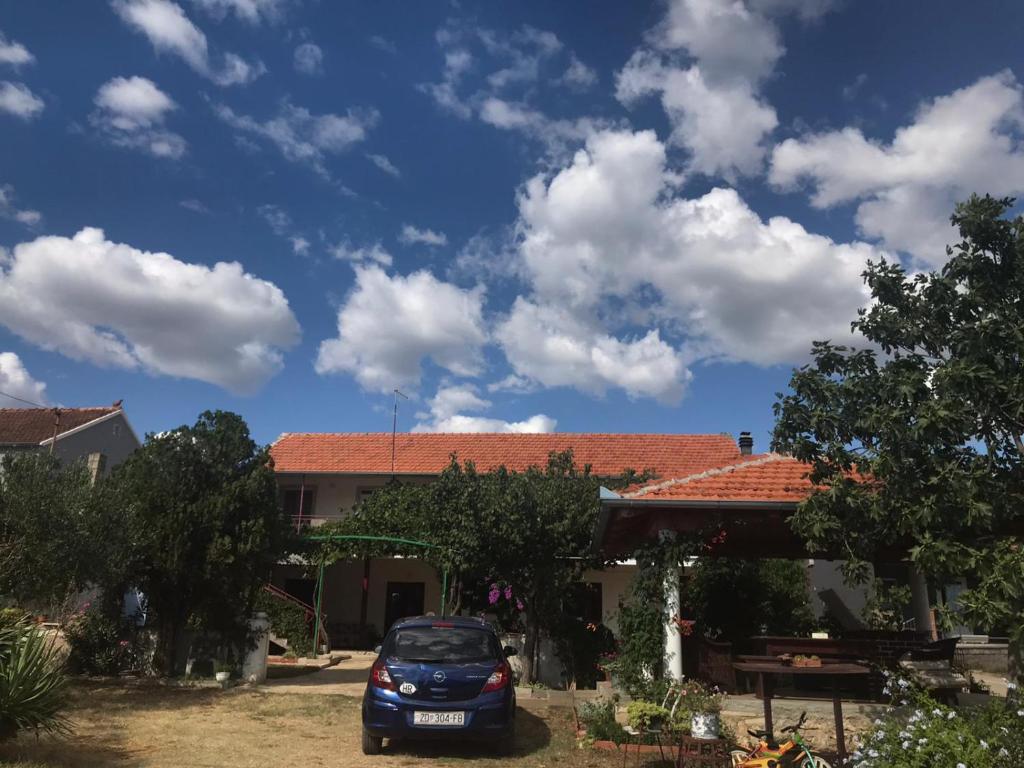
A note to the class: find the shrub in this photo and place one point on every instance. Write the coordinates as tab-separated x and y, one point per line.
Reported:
33	686
921	733
288	621
598	718
100	644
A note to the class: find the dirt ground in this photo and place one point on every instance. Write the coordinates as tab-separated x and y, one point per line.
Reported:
157	727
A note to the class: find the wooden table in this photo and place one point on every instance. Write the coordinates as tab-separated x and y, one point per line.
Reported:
766	671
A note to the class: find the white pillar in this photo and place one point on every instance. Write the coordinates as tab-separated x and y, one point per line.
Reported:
254	668
673	640
919	603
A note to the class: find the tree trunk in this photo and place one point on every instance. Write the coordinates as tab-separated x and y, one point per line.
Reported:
531	645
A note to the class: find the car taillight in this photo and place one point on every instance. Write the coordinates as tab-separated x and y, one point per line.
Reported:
380	677
499	678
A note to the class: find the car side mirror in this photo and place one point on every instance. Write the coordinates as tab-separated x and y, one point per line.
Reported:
376	649
510	651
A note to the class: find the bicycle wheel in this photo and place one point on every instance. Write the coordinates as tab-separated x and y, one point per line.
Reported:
818	762
738	757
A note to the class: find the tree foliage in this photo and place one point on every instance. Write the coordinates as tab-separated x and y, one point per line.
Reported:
916	439
529	530
205	527
57	536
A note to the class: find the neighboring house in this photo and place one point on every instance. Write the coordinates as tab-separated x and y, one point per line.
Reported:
324	476
102	436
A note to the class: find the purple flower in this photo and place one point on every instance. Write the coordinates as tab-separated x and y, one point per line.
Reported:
519	605
508	593
493	595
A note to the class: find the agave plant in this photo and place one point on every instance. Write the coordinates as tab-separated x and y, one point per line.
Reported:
33	685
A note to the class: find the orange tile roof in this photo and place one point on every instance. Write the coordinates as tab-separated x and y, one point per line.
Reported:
30	426
763	477
429	453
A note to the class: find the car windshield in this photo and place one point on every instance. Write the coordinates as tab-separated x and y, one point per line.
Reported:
442	644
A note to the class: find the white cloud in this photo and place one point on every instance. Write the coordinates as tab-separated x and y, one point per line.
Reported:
131	112
8	210
276	217
411	235
252	11
382	162
708	270
196	206
383	44
389	325
309	59
15	380
117	306
370	254
512	383
303	137
18	100
578	75
958	144
300	245
169	30
722	126
14	53
447	408
707	59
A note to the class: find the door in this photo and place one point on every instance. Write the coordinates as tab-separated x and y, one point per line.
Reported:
404	598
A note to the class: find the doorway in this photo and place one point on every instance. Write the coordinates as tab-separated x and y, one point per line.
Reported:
404	598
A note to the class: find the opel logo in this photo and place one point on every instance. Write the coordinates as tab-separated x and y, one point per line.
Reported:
439	676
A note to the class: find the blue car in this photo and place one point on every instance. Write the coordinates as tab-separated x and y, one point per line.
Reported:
440	678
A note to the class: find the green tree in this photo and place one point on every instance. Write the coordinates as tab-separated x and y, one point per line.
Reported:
774	597
529	530
57	536
917	439
200	504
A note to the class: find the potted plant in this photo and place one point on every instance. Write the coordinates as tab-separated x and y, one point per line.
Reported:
705	707
645	715
222	673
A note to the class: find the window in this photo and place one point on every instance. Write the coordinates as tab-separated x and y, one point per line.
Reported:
362	494
297	501
450	645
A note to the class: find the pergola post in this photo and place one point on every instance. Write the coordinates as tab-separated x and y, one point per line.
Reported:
673	640
920	605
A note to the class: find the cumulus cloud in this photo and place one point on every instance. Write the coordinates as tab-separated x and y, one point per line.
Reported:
578	75
130	113
965	142
14	53
382	162
448	409
706	60
8	210
117	306
15	380
18	100
309	59
708	270
303	137
168	29
389	325
411	235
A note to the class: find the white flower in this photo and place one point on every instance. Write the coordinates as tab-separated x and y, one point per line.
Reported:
950	715
984	744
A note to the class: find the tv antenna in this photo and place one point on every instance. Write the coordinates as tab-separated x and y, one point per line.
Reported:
394	429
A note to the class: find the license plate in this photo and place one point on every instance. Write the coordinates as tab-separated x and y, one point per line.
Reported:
439	718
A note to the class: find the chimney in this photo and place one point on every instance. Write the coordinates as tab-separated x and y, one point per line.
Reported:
97	465
746	443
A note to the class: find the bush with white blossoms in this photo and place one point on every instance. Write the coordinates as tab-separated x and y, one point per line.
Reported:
918	732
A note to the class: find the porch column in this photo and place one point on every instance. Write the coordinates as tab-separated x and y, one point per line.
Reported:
920	606
673	640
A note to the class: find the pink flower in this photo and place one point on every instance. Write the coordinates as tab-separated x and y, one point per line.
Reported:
519	605
508	593
493	595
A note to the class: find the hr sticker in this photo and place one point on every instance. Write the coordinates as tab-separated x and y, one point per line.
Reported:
407	688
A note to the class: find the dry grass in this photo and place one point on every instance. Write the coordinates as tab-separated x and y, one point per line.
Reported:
155	727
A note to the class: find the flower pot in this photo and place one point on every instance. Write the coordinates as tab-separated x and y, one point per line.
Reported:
705	725
222	678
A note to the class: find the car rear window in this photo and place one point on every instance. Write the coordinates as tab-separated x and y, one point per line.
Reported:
442	644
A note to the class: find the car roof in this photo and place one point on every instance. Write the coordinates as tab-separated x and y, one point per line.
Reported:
468	622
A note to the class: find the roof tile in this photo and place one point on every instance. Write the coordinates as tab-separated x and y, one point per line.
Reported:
30	426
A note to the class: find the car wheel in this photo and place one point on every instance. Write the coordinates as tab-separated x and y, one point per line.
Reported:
371	743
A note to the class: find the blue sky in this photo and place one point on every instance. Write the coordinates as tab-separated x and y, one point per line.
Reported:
580	216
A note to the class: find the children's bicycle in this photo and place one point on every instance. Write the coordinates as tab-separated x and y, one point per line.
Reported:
793	753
